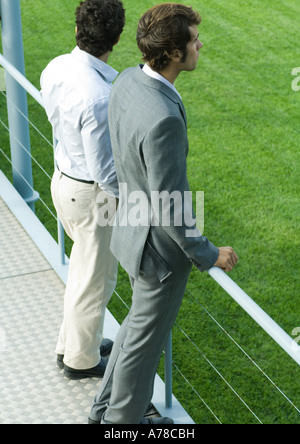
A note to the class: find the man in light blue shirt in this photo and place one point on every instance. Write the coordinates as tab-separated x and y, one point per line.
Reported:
75	91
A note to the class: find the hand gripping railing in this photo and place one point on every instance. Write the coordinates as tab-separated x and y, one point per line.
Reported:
269	325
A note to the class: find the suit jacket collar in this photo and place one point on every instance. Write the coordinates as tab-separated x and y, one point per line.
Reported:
162	88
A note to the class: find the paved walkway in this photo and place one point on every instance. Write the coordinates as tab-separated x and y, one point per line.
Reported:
32	389
32	284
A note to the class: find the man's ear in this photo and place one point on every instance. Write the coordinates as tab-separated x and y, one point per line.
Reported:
117	40
176	55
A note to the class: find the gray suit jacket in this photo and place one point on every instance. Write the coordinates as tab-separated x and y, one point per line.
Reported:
148	131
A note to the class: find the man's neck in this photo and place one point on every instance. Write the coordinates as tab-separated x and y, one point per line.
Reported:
104	58
171	73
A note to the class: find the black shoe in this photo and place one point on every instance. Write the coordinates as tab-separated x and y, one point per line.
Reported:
91	421
106	347
154	421
60	361
95	372
105	350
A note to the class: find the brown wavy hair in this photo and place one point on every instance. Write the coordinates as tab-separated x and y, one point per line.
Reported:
99	25
164	29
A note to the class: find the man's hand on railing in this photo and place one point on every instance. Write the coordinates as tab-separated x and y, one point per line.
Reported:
227	259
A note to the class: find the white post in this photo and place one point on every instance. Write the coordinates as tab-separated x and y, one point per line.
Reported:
12	42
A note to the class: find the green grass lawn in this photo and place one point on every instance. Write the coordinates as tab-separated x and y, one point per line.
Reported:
244	153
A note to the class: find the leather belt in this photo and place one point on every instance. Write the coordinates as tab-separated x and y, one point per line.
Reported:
90	182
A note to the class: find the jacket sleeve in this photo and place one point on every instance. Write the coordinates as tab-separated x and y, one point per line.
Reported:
165	150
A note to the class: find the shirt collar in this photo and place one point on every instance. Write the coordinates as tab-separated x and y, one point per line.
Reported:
155	75
106	71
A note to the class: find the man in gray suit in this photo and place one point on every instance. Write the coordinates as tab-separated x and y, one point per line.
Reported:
149	140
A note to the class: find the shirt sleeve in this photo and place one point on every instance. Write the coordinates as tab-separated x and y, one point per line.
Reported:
97	145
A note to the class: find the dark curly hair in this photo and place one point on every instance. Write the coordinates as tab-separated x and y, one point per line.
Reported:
99	25
164	29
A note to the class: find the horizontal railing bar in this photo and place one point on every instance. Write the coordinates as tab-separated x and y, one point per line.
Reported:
32	90
268	324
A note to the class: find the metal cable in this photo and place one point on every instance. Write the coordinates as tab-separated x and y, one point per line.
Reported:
28	120
40	199
245	353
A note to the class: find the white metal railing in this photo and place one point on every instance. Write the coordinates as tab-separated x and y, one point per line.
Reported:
289	345
21	80
264	320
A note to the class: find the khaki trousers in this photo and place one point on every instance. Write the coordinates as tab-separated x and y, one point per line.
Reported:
92	270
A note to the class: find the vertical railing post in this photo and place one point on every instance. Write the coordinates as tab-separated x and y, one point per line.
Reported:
168	373
12	42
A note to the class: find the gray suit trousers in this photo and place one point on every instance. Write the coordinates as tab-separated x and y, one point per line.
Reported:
127	387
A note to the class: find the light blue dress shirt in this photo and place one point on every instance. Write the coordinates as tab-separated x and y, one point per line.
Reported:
75	91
